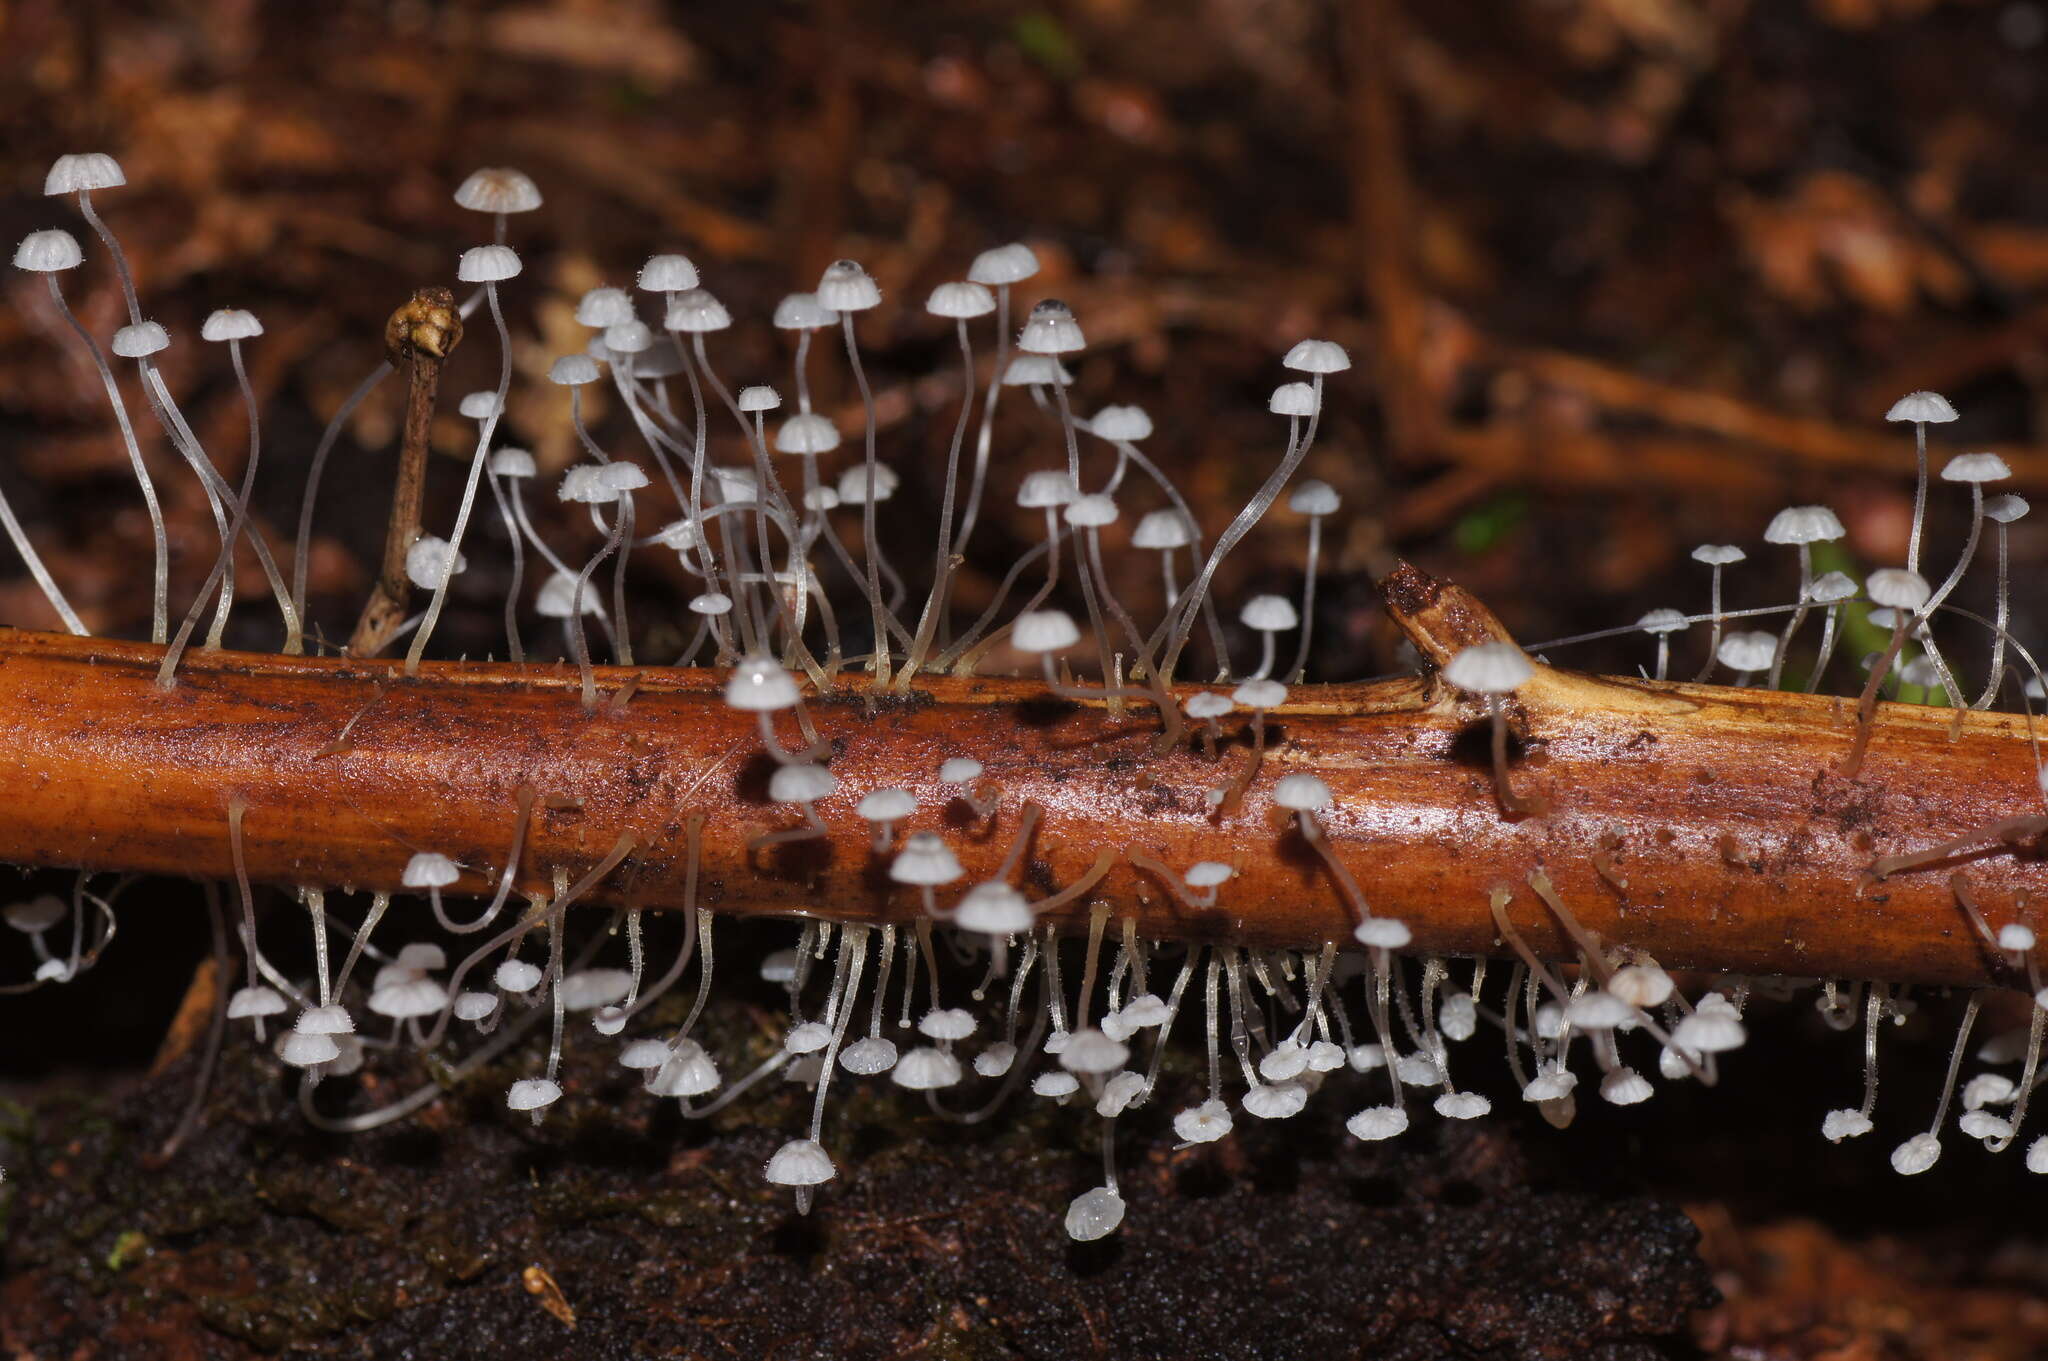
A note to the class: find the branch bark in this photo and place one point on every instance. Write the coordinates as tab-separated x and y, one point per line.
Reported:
1702	824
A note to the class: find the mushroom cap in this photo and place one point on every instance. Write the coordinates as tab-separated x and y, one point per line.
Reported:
1005	264
562	594
1092	511
1208	874
407	997
1314	497
801	784
621	477
474	1006
1748	650
925	860
1383	933
1035	370
1713	1030
1260	694
711	604
429	869
1269	614
256	1001
230	323
886	805
807	433
1718	554
926	1069
1090	1051
869	1056
667	274
1162	529
2006	508
758	397
1489	668
304	1051
994	908
1625	1087
1804	524
140	340
1051	330
1207	704
1930	408
573	370
760	685
498	189
512	461
328	1020
1975	468
1203	1124
427	561
846	287
802	312
959	769
1055	1084
628	338
1831	587
1897	588
487	264
1044	631
83	170
532	1094
48	251
1293	399
34	915
480	405
1123	423
585	484
860	484
604	306
1043	490
1275	1101
1662	622
960	301
589	989
1302	793
1916	1155
800	1162
695	311
1462	1105
1317	356
1375	1123
946	1024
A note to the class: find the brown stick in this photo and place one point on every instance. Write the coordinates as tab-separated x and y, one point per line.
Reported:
1654	781
418	340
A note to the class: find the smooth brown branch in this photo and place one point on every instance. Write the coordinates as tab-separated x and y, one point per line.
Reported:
418	339
1645	784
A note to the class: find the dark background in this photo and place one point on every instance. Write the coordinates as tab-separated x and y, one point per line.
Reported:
1621	277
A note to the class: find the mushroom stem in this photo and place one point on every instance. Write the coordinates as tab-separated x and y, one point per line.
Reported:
1866	705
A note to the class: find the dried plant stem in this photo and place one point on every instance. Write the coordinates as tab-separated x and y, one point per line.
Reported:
1742	847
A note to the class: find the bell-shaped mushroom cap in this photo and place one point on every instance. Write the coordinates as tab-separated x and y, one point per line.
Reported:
253	1002
83	170
1897	588
1260	694
1916	1155
1462	1105
480	405
1095	1214
1662	622
1804	524
1383	933
560	597
1000	265
1314	497
1975	468
1090	1051
604	306
2005	509
327	1020
1276	1100
532	1094
867	1057
1208	874
512	461
230	323
1051	330
959	769
1293	399
1041	490
926	1069
800	1162
1749	650
429	869
668	274
946	1024
412	995
960	301
1301	793
803	312
48	251
1092	511
35	915
995	908
1044	631
498	189
1203	1124
573	370
807	434
1269	614
1317	356
860	483
1123	423
925	860
801	784
1035	370
886	805
1375	1123
1162	530
1928	407
758	397
760	685
1489	668
1831	587
140	340
426	562
589	989
628	338
487	265
1718	554
695	311
846	287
